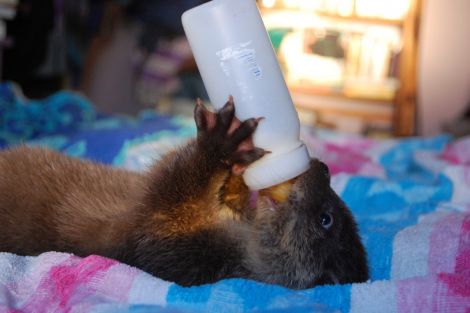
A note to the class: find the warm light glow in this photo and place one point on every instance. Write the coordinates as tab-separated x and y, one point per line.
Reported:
370	51
395	9
345	7
309	4
302	67
386	9
291	4
269	3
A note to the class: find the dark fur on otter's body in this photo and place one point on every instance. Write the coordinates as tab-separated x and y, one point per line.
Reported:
188	219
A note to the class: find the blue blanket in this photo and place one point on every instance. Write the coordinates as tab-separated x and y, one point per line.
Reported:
411	198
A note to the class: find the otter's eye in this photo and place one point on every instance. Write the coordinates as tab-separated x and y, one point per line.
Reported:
326	220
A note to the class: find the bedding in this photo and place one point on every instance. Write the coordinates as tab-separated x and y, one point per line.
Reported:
410	197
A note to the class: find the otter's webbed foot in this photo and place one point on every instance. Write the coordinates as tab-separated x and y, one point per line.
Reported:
226	140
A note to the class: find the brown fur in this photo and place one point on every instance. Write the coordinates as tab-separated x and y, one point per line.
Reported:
188	219
52	202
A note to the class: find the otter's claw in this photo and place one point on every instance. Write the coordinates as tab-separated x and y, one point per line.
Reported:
226	138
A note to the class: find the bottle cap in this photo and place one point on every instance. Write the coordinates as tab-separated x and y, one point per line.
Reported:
274	170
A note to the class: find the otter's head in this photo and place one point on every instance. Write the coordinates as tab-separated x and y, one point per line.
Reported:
309	239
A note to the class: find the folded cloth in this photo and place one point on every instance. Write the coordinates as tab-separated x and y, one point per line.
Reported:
24	119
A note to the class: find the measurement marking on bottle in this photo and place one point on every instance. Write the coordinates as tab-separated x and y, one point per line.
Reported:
239	56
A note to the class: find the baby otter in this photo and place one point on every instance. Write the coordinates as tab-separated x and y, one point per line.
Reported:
190	219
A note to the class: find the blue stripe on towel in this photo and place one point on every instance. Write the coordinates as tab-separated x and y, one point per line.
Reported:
239	295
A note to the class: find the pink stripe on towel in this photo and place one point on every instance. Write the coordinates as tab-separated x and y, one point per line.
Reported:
66	279
459	285
463	257
446	288
415	294
67	283
444	244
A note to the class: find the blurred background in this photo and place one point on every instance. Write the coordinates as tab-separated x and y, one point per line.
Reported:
371	67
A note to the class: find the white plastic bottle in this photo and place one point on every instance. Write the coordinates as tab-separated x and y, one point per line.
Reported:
235	57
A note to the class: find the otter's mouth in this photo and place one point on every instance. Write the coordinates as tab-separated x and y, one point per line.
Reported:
272	197
257	200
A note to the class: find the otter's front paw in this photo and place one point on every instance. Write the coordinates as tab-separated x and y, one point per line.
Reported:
225	139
